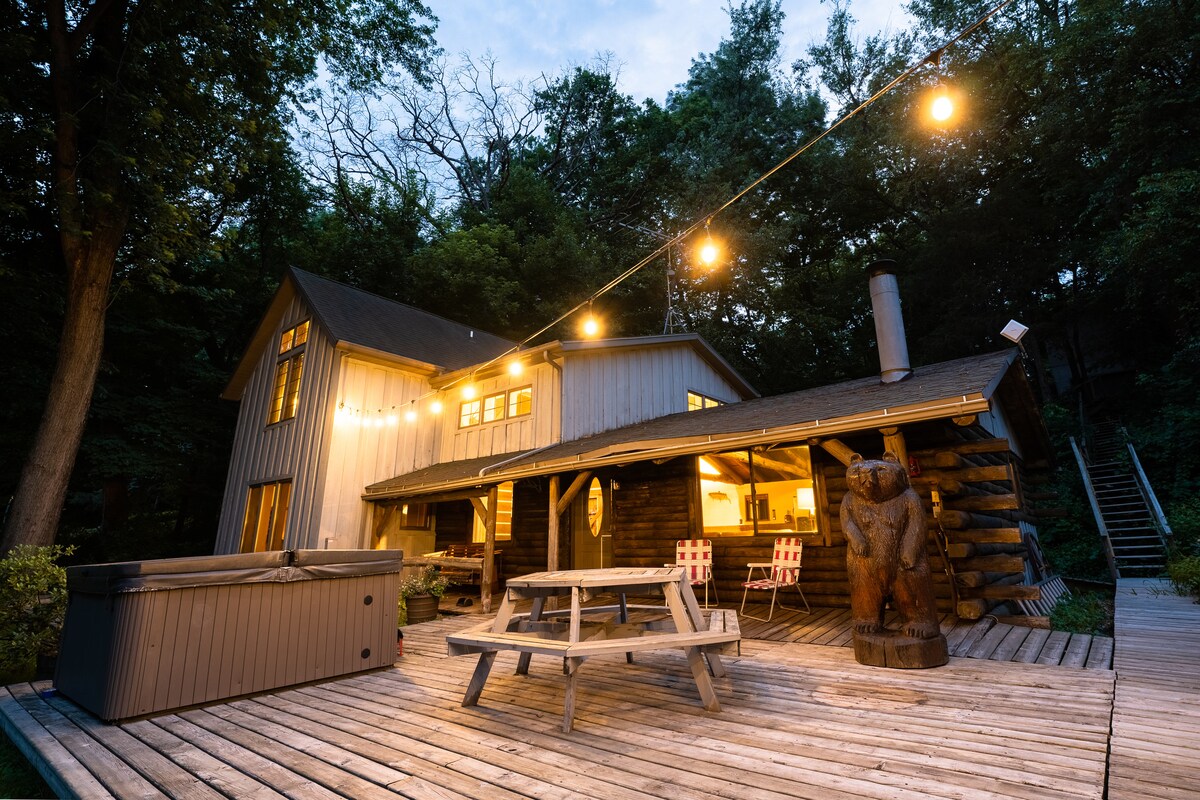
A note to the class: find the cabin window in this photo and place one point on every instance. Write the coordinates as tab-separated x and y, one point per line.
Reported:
770	491
504	513
520	401
493	407
285	389
468	413
266	516
697	401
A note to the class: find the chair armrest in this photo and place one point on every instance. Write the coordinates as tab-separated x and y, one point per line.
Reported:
764	565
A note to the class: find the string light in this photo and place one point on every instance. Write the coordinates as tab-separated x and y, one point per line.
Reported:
515	367
592	327
708	250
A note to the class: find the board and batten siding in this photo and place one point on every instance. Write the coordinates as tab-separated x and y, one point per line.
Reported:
288	450
536	429
613	388
372	441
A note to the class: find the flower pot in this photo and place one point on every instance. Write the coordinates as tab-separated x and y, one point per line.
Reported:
421	608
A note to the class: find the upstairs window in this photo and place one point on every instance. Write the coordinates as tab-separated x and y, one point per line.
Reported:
285	392
493	407
496	407
697	401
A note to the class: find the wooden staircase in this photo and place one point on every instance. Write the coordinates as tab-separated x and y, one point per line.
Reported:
1126	511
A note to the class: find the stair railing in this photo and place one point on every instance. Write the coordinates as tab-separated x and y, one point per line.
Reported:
1160	519
1095	503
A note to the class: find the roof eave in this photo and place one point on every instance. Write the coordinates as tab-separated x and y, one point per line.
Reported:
964	405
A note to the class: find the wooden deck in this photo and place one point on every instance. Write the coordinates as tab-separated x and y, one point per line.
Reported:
799	719
985	638
1156	710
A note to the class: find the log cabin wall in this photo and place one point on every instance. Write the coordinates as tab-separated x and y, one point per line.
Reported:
981	511
526	551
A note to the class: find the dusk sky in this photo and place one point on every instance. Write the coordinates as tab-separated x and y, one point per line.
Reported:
653	41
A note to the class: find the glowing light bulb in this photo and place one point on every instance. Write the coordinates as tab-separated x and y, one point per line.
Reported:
515	368
410	416
436	406
709	253
590	326
942	108
468	391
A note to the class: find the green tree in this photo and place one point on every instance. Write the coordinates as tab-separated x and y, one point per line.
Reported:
142	118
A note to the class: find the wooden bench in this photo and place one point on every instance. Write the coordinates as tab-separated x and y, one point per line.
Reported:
462	564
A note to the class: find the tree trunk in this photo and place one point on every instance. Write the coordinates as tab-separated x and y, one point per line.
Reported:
37	505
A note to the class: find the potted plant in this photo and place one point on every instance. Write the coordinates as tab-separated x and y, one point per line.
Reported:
419	596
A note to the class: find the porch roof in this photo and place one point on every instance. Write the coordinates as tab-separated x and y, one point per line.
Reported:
960	387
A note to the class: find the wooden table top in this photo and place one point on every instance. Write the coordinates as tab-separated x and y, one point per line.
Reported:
594	578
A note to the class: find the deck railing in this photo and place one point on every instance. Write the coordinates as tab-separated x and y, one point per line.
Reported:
1091	493
1160	519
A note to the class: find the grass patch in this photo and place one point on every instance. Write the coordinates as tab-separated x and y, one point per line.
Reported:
18	778
1084	612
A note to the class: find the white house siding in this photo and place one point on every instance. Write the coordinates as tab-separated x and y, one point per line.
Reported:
371	441
286	450
613	388
536	429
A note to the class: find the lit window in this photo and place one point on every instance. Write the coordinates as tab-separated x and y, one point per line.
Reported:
520	401
697	401
493	407
468	414
743	493
285	390
266	515
504	513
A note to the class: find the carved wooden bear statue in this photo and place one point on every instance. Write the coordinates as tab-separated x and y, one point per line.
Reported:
885	531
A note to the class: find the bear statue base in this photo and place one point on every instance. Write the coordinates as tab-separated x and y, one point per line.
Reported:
893	649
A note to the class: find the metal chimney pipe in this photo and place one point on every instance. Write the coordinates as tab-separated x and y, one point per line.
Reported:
889	322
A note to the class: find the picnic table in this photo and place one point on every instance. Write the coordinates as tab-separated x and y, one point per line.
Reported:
543	631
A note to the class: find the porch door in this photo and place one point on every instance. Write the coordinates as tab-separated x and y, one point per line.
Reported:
591	544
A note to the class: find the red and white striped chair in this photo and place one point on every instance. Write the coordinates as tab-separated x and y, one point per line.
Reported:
695	555
782	571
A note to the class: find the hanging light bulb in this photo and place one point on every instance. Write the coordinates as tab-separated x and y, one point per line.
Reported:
468	391
942	107
709	252
436	406
411	414
515	367
591	326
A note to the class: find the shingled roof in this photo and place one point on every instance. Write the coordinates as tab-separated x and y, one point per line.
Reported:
352	316
356	318
951	388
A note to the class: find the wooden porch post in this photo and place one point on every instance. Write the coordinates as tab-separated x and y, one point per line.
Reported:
489	548
552	537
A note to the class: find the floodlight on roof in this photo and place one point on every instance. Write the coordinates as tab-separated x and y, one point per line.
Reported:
1014	331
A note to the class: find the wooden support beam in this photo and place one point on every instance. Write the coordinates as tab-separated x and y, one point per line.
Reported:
966	421
489	549
835	448
481	508
580	481
893	442
552	542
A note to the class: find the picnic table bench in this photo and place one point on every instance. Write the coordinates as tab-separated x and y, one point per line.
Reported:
541	631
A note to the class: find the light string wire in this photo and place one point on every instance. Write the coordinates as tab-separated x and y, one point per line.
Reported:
932	57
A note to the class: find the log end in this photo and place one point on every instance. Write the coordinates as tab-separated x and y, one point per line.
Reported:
894	650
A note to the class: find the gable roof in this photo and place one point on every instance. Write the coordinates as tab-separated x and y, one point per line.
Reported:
949	389
353	317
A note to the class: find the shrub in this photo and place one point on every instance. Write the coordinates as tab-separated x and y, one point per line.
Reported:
1085	612
1184	572
33	602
